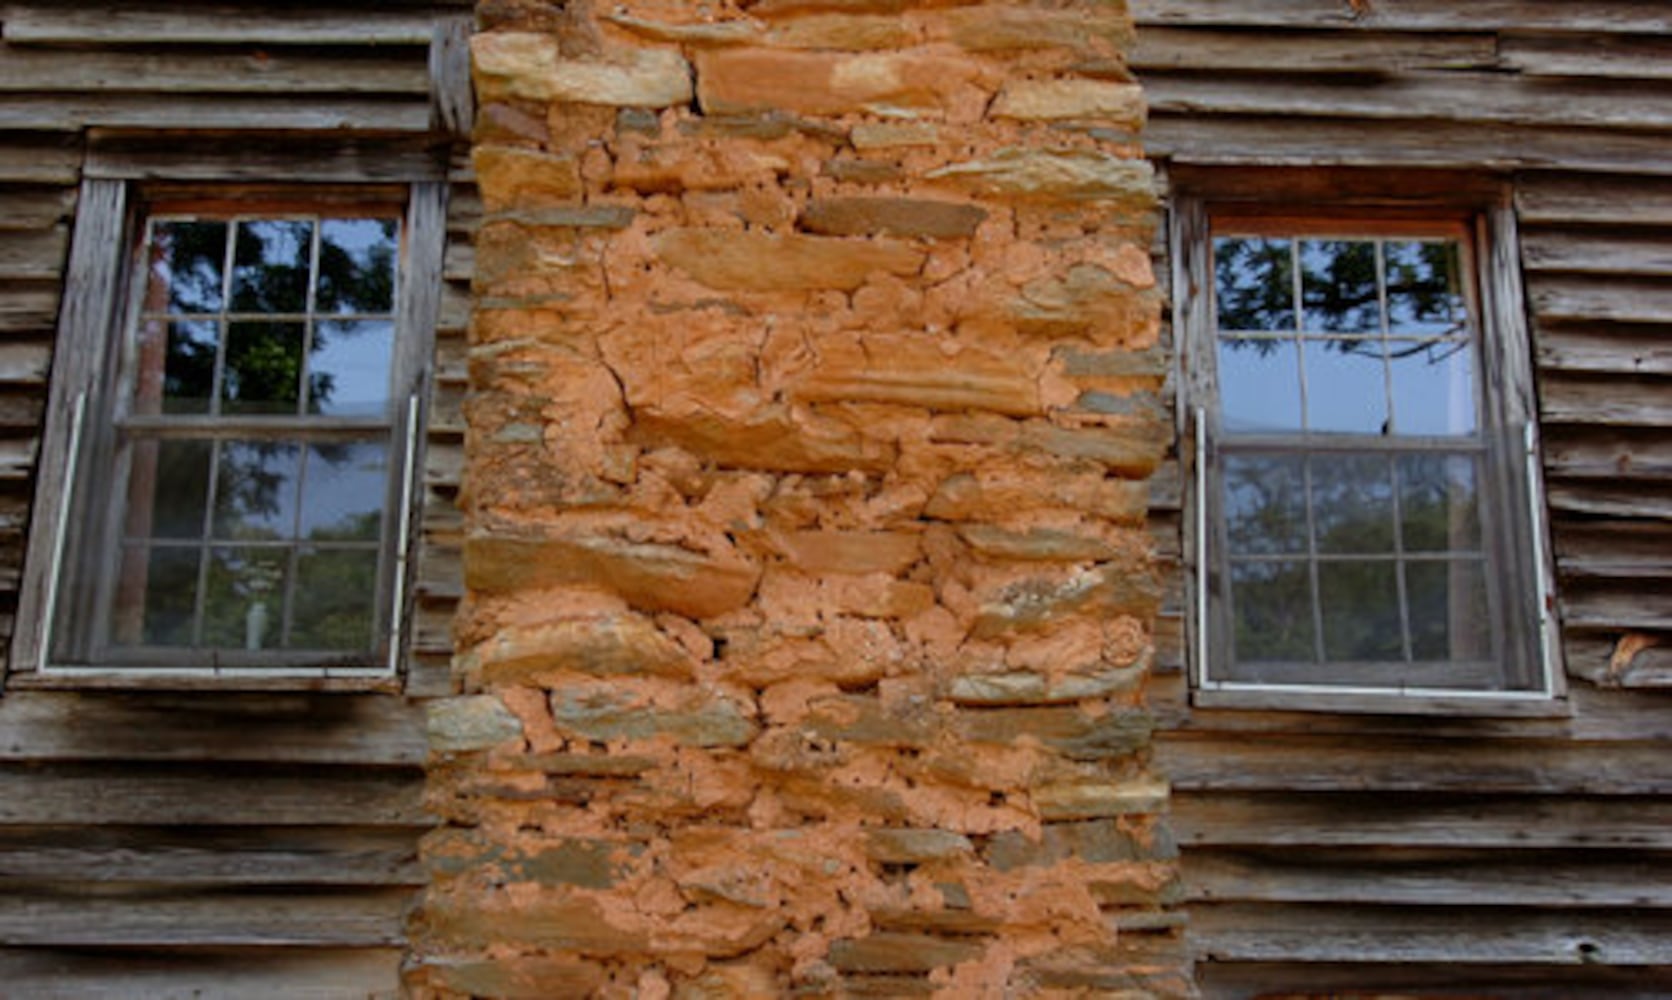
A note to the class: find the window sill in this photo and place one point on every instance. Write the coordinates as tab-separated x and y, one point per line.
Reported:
163	680
1390	703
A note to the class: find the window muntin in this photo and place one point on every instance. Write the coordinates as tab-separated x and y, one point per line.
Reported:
246	517
1361	528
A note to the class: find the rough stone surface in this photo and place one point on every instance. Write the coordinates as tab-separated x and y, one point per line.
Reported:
762	262
530	67
1109	105
891	217
815	372
474	723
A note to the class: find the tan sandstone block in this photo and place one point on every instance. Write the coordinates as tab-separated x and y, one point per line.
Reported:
529	66
730	81
892	217
617	645
515	177
649	576
1114	104
1121	185
763	262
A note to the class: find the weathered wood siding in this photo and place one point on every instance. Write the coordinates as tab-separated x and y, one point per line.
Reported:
203	843
1526	856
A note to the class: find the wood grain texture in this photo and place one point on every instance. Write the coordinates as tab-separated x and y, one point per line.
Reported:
247	973
204	794
371	730
1321	933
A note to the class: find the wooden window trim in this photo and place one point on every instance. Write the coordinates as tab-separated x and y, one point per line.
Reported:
92	323
1478	213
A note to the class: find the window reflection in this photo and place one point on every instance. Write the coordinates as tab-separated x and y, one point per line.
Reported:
262	530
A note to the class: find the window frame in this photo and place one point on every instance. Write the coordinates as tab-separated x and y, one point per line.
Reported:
92	348
1481	216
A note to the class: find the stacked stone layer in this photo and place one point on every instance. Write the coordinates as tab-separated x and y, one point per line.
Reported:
814	390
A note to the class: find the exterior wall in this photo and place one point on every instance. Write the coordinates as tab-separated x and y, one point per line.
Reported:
814	391
174	843
1506	857
264	844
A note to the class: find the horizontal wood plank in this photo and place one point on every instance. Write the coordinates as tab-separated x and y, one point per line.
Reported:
155	918
319	112
1590	399
1645	662
1322	933
1443	979
211	855
1330	763
274	728
1645	57
1451	97
28	307
224	24
1428	877
1611	253
218	71
1609	499
1599	347
1628	16
1576	298
40	159
1231	140
1368	819
233	795
248	974
128	155
37	253
1607	201
1161	49
35	206
1602	716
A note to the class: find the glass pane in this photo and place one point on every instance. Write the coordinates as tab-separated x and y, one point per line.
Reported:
156	596
1346	390
175	366
168	489
1338	286
1259	388
255	490
244	604
1265	504
348	368
187	262
344	492
1424	290
1253	278
270	266
356	266
1352	503
1449	617
263	368
336	594
1439	505
1272	606
1360	606
1433	386
189	372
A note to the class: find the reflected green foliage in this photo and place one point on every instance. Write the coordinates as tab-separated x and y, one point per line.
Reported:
1338	288
1254	284
264	350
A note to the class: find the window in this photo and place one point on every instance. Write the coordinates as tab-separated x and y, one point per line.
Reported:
237	436
1364	518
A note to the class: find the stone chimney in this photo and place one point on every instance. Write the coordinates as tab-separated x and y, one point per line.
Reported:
815	388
